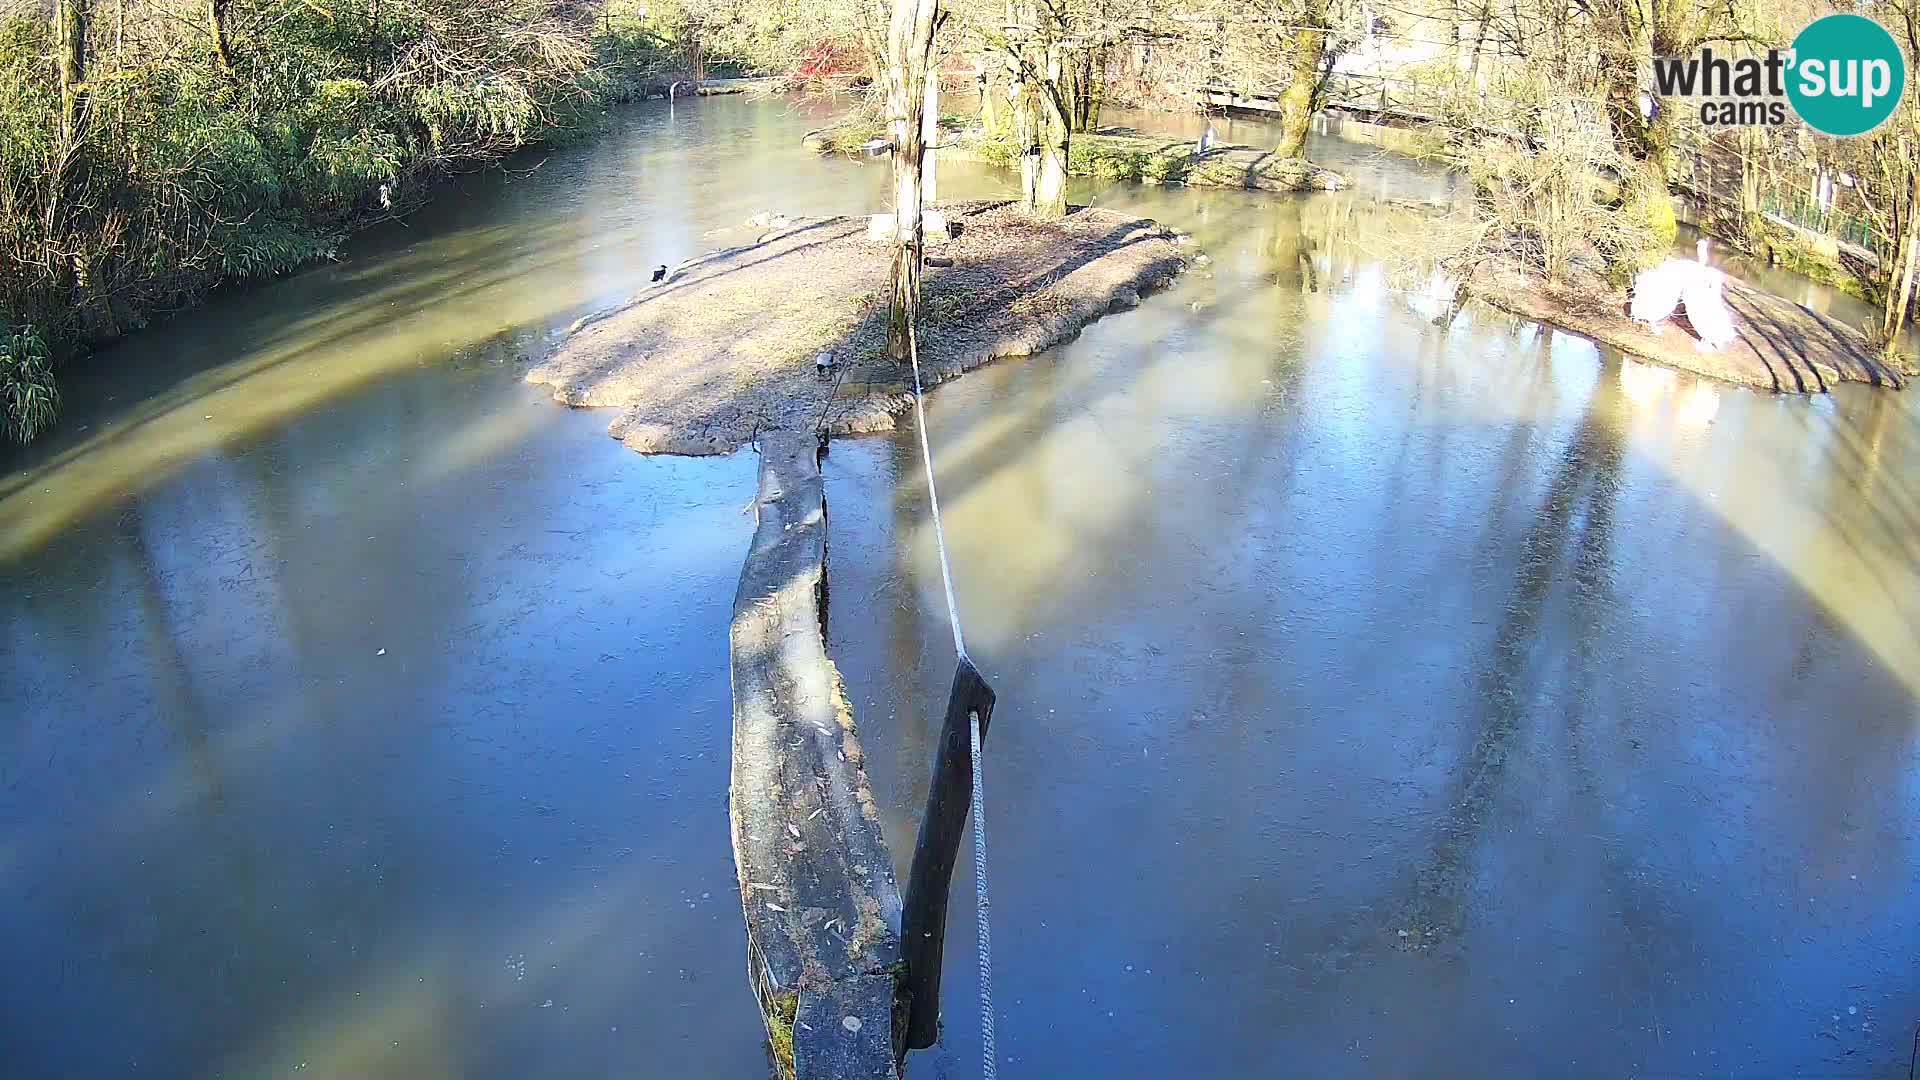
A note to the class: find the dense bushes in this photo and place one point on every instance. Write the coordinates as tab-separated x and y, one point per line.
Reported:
180	168
27	394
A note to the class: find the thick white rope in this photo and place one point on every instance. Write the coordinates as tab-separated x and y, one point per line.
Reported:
983	932
933	497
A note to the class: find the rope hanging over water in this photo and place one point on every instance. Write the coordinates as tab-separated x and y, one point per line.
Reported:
983	932
933	498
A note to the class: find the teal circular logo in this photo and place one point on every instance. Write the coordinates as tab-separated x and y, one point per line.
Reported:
1846	75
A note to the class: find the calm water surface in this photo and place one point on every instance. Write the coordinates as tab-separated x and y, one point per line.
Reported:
1374	697
361	711
1379	699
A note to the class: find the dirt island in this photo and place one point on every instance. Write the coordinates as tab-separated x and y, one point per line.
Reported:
1781	346
788	332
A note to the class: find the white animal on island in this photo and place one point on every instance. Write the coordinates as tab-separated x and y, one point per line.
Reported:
1206	140
1658	291
1707	310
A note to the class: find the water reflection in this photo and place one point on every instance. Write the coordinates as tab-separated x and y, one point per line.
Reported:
1383	697
489	271
366	714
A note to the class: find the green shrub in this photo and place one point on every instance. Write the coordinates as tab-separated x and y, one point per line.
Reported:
849	134
193	172
354	142
269	245
1105	158
28	397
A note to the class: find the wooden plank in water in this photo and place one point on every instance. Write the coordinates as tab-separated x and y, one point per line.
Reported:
923	927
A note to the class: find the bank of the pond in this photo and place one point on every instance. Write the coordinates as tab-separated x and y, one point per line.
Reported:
262	217
1782	346
1114	153
788	332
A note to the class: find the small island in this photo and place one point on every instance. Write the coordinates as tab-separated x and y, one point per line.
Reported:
1780	346
787	333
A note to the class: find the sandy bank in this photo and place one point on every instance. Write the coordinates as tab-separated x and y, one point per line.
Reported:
728	346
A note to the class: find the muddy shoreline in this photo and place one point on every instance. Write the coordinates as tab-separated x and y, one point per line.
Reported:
787	332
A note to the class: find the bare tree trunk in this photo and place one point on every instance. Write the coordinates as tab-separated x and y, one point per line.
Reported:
1050	193
1661	136
70	55
1900	287
909	48
1066	76
70	19
1620	50
1080	76
1296	101
1753	223
1026	139
119	61
1095	88
1086	88
217	27
1479	44
373	38
1020	100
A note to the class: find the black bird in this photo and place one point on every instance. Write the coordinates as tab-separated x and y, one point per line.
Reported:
660	274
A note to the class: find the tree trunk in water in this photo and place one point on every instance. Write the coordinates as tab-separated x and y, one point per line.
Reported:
217	26
1050	195
1296	101
989	108
909	48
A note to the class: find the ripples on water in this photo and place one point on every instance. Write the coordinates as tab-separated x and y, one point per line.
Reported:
367	712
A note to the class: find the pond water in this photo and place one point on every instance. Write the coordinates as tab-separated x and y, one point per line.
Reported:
1383	699
1375	697
364	712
